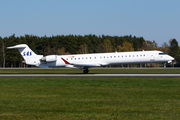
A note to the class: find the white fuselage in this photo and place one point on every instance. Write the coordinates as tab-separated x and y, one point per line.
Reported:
104	59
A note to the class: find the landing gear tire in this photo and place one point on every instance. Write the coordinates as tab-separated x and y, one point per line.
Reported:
85	71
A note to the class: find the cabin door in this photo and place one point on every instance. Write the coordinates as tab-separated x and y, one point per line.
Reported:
152	57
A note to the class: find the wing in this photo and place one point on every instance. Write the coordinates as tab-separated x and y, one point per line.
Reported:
82	64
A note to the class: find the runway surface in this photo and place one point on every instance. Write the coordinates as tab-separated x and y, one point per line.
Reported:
84	75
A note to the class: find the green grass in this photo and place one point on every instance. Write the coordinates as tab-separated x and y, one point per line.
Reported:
89	98
93	70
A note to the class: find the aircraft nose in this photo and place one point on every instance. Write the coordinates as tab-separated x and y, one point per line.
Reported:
171	58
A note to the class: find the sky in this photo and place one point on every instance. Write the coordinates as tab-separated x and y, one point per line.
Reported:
157	20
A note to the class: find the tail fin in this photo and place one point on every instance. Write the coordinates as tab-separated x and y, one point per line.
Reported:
29	56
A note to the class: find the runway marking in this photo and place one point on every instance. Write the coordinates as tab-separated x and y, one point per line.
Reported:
85	75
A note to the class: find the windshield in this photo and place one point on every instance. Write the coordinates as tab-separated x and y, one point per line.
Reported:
162	53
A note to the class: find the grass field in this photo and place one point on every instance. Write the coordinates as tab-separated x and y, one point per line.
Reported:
93	70
89	98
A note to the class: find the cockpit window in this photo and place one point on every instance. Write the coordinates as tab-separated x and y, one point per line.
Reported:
162	53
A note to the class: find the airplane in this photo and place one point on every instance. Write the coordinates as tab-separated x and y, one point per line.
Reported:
85	61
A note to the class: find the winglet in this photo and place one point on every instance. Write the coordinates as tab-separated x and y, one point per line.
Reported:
66	62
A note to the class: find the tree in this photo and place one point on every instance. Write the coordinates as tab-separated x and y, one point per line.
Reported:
33	47
126	46
83	49
4	54
49	50
3	48
149	45
61	51
137	42
174	50
60	44
165	48
107	46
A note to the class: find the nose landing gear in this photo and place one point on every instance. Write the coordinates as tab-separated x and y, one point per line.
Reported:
164	65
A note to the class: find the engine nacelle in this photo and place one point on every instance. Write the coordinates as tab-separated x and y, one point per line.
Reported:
49	58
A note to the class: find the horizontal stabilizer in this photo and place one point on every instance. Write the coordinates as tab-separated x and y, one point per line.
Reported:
18	46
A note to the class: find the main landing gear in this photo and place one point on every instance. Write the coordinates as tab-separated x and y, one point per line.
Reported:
85	70
164	65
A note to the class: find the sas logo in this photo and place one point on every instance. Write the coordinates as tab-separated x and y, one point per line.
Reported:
27	53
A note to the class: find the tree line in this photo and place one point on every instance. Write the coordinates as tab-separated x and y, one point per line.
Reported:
77	44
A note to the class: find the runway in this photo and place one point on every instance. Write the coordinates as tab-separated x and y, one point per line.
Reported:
85	75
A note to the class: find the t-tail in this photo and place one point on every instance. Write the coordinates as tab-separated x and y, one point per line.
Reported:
29	56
